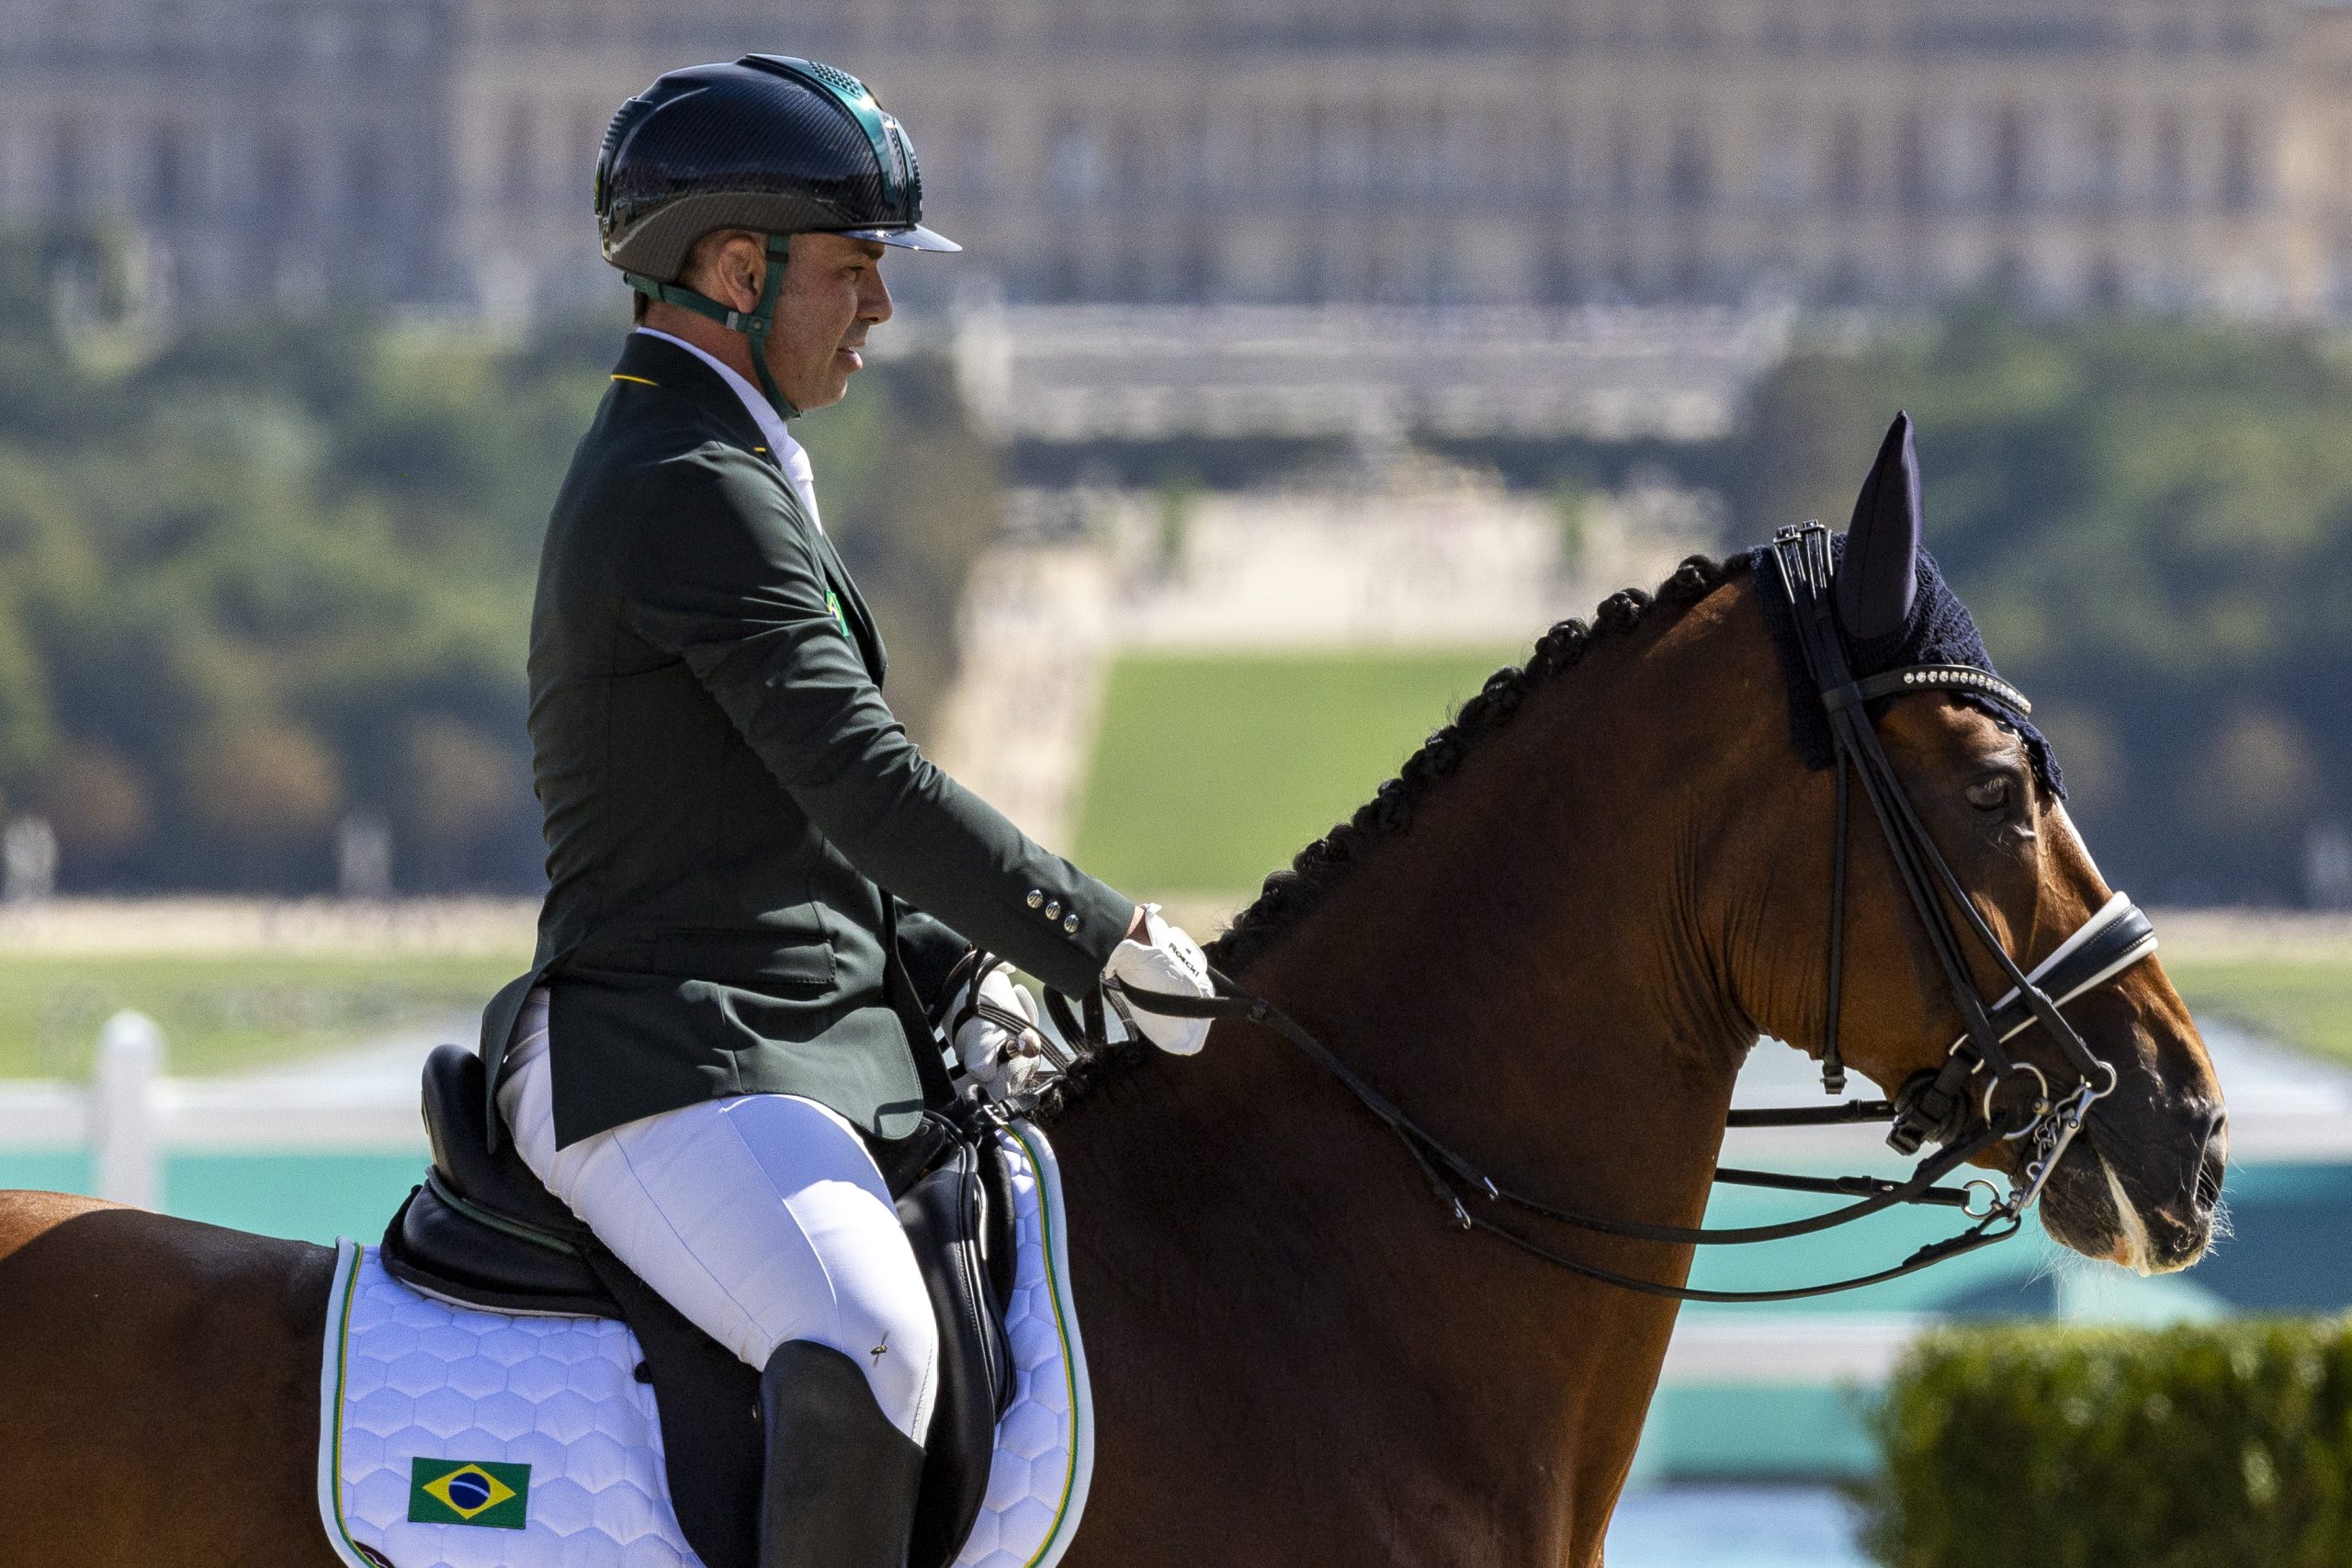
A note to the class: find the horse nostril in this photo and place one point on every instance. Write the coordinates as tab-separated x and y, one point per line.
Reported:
2208	1183
2212	1160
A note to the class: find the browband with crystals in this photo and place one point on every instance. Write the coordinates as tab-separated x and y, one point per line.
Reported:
1924	677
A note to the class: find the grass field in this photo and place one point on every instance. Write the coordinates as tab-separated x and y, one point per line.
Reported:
1211	770
224	1012
2301	1003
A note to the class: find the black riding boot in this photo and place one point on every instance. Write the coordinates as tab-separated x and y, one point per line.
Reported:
841	1480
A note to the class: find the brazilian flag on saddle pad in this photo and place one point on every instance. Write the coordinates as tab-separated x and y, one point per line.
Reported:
468	1492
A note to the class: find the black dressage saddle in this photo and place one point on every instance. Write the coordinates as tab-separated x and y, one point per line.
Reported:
484	1231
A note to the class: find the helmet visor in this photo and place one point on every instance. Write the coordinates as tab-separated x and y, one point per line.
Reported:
915	237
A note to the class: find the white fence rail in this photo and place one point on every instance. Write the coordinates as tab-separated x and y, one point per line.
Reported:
131	1116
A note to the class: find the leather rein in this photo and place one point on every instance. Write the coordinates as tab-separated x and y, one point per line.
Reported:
1944	1105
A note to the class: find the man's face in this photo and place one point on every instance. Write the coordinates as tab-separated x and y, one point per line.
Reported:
832	293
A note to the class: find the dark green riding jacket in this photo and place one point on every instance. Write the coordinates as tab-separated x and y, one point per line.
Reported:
730	808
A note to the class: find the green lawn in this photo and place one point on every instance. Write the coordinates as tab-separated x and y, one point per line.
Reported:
2307	1003
1211	770
224	1013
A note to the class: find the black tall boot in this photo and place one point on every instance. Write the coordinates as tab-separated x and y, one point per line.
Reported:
841	1480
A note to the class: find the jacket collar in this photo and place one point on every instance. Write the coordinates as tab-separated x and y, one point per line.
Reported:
674	369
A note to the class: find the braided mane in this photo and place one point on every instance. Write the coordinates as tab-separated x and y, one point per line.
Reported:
1291	895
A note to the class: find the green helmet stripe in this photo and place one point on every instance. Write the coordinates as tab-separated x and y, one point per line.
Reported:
853	95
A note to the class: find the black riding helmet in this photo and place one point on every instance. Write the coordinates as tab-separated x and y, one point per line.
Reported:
771	143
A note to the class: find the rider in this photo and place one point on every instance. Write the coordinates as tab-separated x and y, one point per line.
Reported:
755	880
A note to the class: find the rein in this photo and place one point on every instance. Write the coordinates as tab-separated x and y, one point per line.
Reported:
1936	1105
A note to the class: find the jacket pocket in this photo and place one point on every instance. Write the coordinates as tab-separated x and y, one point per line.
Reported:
733	957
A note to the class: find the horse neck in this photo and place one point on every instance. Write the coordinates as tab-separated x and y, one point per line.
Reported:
1520	971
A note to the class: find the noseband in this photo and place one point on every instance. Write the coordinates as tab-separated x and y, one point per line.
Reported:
1946	1105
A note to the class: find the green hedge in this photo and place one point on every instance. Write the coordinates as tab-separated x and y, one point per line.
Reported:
2228	1444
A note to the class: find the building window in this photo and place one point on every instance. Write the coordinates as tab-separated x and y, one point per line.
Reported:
2104	286
1691	177
519	156
1077	162
1624	174
1911	180
2176	30
363	196
167	172
1783	157
1423	135
1562	280
1195	267
1461	149
2241	175
2106	181
1134	170
2170	180
1846	177
1554	156
69	167
1691	29
2011	175
279	194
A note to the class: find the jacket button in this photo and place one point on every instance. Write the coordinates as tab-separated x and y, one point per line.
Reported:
1070	923
1054	911
1035	898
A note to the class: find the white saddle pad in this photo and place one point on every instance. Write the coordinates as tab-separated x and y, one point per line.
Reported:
454	1437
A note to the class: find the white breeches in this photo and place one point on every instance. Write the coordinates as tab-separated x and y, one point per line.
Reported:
760	1218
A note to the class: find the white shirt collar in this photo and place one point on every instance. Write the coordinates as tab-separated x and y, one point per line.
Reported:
789	454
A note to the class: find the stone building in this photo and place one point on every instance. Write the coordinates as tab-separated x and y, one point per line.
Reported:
2177	153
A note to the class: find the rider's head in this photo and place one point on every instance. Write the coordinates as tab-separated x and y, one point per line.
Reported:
832	293
760	196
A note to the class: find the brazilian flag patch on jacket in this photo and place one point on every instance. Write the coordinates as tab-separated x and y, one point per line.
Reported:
468	1492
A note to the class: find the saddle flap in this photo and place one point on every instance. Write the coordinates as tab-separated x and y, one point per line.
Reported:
948	1217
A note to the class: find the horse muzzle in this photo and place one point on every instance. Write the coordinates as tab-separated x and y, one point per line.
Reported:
2144	1188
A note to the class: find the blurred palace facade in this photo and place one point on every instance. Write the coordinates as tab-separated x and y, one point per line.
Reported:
2184	155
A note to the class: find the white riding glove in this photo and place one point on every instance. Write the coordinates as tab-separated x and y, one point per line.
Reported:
1002	1060
1166	961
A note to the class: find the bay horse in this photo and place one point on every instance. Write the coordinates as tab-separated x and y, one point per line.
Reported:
1555	938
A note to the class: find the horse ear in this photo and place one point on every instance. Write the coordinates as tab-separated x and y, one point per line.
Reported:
1881	571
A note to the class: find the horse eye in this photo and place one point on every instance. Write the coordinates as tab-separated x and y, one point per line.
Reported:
1990	795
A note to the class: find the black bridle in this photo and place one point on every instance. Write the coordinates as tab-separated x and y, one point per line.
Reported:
1941	1104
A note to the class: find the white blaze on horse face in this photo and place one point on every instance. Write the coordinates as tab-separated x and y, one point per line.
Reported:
2131	1230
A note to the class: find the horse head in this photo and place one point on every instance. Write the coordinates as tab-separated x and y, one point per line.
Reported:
2140	1186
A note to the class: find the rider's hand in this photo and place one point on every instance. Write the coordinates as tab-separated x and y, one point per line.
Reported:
1003	1059
1162	958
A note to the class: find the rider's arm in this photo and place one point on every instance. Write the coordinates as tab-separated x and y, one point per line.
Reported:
726	574
930	948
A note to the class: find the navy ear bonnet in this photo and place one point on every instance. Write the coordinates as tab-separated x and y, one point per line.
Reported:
1939	630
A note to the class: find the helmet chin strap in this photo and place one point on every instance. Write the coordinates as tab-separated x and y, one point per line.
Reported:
754	323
